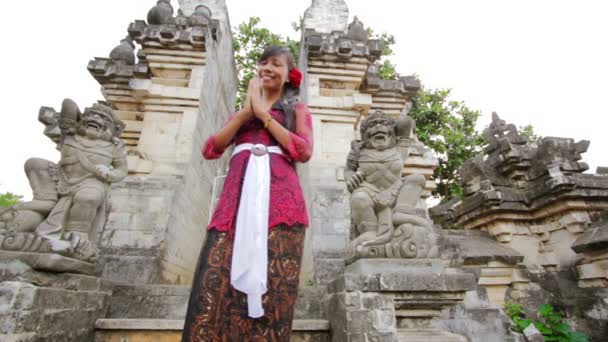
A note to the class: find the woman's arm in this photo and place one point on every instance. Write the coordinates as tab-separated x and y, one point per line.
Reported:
216	144
298	144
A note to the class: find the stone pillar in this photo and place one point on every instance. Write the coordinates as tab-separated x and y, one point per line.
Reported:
177	92
340	90
394	300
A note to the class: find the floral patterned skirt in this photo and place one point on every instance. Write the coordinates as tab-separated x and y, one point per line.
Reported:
217	312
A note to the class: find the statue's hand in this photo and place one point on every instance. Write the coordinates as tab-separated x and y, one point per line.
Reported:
354	181
103	172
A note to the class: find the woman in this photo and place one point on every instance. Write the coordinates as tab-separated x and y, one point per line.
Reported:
245	284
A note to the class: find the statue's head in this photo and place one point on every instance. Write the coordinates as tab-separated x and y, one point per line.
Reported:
378	131
99	122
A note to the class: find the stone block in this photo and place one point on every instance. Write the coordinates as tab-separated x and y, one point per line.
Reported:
382	265
135	301
130	269
49	262
310	303
47	313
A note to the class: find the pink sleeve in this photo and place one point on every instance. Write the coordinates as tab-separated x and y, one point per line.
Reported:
300	144
211	150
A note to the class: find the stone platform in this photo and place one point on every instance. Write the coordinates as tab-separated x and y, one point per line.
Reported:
42	306
391	299
155	313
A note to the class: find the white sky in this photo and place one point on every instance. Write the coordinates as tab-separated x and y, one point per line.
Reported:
541	62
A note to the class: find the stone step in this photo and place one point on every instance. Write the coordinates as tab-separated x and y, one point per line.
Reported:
149	301
171	302
428	335
310	303
167	330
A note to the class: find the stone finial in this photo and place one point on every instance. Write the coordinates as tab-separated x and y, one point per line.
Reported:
188	7
201	16
124	53
499	131
326	16
411	84
181	21
161	14
357	31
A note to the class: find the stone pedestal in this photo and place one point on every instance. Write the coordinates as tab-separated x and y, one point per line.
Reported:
394	300
46	306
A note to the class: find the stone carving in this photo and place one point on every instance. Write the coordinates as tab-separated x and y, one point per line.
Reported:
69	202
161	14
528	193
385	220
353	42
326	16
357	31
124	53
162	27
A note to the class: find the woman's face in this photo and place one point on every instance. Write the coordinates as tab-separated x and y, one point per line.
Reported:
273	72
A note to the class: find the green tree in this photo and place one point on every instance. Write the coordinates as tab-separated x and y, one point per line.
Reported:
447	127
387	70
527	132
7	199
249	41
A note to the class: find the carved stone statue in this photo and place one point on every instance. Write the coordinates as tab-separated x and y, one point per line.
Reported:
70	198
385	221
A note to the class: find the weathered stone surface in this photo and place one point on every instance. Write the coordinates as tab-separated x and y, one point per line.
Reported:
594	239
383	266
310	303
467	247
166	330
326	16
376	297
33	313
531	196
49	262
428	335
135	301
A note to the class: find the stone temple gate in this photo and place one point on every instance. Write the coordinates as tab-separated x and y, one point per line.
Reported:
110	257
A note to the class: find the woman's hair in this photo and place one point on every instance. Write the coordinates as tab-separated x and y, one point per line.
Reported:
290	94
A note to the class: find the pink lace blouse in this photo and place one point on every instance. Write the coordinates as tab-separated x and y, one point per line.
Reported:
287	204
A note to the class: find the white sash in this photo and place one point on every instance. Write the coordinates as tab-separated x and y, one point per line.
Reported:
249	272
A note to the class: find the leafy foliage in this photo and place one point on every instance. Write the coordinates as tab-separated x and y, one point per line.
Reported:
249	41
551	325
447	127
387	70
8	199
527	132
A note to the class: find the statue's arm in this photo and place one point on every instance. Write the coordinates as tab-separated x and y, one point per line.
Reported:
119	166
352	177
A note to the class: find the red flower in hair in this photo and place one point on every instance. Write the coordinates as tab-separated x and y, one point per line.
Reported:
295	78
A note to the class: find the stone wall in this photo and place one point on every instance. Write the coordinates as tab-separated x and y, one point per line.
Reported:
178	91
341	87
